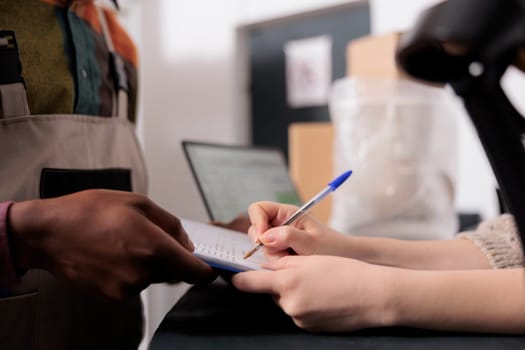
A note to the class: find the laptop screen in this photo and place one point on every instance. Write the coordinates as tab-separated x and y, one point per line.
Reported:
230	178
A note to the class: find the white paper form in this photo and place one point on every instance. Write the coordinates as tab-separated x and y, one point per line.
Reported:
222	248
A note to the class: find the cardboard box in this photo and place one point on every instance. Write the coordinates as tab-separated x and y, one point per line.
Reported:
373	57
310	153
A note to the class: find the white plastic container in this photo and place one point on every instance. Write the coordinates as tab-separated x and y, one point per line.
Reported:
399	138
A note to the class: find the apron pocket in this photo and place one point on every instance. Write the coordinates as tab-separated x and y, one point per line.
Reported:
59	182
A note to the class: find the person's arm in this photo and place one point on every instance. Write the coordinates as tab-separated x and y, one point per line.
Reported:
453	254
494	244
478	301
307	236
334	294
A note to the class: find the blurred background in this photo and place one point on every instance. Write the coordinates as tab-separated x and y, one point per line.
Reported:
202	62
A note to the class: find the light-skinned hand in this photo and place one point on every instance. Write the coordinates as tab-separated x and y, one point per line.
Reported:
305	236
325	293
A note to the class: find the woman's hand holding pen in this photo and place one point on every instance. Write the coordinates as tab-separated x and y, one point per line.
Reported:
306	236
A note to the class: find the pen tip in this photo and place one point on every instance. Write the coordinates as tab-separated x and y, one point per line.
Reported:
253	250
248	254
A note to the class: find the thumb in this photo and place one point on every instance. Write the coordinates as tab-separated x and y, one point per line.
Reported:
285	237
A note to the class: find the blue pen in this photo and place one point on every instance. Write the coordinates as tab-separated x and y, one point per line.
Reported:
332	186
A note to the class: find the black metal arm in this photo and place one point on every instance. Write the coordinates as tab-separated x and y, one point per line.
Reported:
469	44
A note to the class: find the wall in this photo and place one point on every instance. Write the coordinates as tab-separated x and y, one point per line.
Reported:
188	89
187	92
188	71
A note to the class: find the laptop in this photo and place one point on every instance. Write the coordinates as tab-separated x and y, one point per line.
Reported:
231	177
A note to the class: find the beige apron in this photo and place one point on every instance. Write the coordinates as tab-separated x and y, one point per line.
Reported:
42	312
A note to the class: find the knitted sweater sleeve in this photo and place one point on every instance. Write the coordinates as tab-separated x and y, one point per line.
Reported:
499	241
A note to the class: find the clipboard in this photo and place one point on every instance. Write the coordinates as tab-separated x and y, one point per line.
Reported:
222	248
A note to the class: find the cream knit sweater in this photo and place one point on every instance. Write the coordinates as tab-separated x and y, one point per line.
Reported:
499	240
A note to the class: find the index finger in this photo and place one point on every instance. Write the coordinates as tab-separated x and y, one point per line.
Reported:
261	213
255	281
265	215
